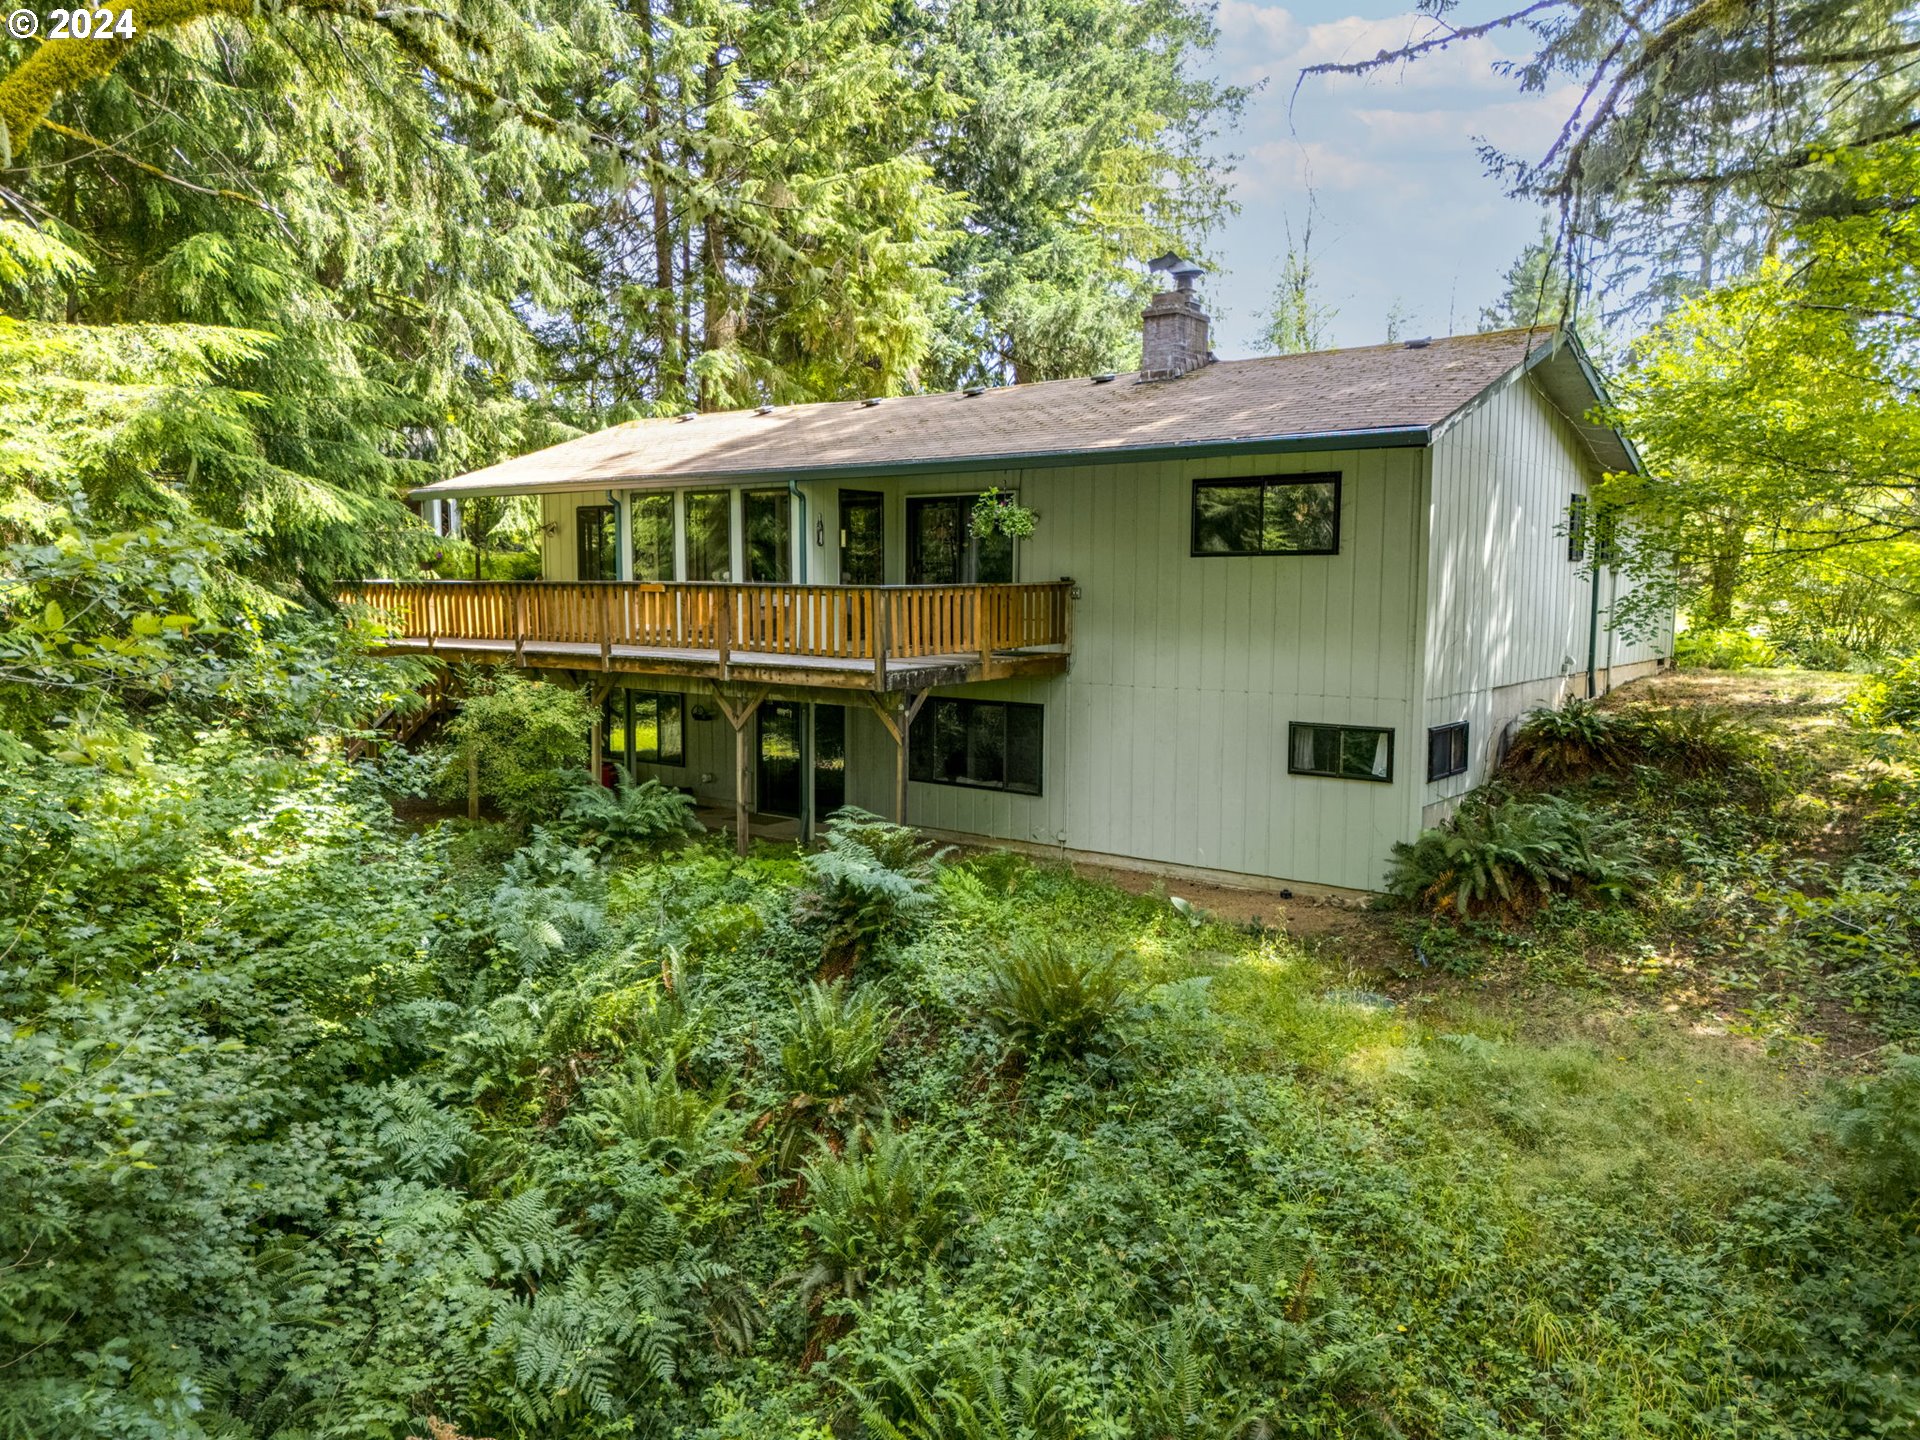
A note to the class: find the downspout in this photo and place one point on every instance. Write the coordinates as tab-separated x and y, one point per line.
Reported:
800	514
619	536
806	719
1593	625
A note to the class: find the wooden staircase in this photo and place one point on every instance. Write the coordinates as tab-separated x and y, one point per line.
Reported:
398	725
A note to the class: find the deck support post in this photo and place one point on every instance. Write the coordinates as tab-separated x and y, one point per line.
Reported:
598	699
882	628
899	723
519	627
739	716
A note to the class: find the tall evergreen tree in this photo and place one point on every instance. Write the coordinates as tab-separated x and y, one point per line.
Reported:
1078	134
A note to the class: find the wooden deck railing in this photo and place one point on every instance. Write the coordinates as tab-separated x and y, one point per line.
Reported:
845	622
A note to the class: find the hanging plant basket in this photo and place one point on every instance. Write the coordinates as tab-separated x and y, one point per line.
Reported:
996	512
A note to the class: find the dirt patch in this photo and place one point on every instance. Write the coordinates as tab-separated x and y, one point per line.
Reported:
1298	914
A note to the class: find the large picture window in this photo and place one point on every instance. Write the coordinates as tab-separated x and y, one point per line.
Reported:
769	536
984	744
709	535
1340	752
1272	515
651	519
646	727
1447	751
598	553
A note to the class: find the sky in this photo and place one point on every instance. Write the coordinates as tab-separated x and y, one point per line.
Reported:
1404	211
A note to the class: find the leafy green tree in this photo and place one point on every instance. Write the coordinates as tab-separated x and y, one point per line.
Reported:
361	201
1780	411
1297	317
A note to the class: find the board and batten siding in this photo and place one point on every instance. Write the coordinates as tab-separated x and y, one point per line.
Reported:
1507	613
1167	740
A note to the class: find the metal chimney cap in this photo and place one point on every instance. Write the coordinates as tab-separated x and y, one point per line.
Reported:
1179	267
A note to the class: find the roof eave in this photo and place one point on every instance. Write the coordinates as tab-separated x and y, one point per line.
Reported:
1596	435
1379	438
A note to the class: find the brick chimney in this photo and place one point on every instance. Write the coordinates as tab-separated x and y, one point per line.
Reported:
1173	334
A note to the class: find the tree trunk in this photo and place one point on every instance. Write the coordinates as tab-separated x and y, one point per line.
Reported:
670	376
1729	548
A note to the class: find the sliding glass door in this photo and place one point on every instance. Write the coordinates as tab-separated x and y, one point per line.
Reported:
943	550
598	547
709	535
650	517
769	524
863	537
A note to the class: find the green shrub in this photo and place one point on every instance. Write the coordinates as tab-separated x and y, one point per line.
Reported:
1575	741
1728	649
869	884
551	898
1692	740
530	740
1889	697
876	1212
833	1040
1054	1002
1580	740
688	1131
631	817
1509	856
1879	1127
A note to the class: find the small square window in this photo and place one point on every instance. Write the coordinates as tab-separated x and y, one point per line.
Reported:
1270	515
1341	752
1447	751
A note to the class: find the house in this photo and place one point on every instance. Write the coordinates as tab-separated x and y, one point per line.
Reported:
1276	614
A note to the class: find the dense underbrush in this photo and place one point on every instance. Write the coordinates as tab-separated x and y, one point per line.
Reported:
316	1126
1773	858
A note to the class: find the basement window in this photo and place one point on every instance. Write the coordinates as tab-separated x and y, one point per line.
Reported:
1447	751
980	744
1340	752
1270	515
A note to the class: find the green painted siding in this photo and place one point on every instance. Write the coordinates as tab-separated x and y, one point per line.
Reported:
1507	612
1167	741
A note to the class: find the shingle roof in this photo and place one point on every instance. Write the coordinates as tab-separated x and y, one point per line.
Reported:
1375	394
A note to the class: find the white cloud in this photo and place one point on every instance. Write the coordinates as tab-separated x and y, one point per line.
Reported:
1404	208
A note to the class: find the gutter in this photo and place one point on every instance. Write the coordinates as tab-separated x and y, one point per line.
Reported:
1383	438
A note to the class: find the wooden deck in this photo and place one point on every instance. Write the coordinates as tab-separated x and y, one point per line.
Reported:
878	638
